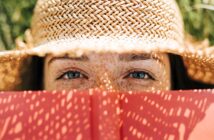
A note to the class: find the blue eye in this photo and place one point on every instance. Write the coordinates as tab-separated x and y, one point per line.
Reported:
139	75
71	75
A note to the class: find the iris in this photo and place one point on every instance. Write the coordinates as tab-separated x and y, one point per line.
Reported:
71	75
139	75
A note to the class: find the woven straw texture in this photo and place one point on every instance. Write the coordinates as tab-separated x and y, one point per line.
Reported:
94	18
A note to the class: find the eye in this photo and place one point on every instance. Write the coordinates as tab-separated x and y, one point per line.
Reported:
70	75
140	75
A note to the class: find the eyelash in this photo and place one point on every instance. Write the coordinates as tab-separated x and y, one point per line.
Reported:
71	72
133	74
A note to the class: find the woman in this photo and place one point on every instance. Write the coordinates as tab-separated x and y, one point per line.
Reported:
113	45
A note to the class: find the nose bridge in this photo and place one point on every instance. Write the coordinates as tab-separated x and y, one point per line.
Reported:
105	73
105	80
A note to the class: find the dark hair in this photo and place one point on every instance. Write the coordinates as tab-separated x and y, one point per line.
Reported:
35	70
179	76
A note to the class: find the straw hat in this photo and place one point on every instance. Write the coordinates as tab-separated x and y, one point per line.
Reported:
75	27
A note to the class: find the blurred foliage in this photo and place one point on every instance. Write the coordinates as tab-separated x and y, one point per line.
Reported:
15	17
198	17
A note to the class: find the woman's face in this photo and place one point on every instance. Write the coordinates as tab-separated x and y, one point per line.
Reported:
125	72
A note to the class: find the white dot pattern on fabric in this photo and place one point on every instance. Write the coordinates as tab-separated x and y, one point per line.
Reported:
101	115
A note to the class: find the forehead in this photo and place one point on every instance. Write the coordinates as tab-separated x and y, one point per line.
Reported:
161	57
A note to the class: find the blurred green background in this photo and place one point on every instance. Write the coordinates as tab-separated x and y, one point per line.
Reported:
15	17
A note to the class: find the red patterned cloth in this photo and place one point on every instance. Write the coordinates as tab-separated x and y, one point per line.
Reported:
101	115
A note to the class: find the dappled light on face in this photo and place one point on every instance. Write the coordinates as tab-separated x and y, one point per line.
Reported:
108	71
105	82
102	115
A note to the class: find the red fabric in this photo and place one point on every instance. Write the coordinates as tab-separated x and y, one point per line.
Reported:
100	115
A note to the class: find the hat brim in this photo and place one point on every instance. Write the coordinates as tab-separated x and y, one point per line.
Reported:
198	61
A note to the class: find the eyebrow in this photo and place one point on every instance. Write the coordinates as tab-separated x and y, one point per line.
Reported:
82	58
137	57
122	57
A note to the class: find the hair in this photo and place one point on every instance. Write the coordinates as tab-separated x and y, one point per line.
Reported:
36	68
179	77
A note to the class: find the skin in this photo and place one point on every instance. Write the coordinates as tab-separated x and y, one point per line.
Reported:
125	72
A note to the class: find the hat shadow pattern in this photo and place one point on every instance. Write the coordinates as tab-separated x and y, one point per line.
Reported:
101	115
